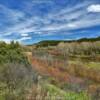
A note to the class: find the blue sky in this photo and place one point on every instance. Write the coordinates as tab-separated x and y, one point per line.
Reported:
30	21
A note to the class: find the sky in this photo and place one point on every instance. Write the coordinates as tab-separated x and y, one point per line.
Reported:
31	21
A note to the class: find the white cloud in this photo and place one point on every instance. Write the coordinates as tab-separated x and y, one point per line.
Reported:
6	40
94	8
24	38
12	15
71	25
82	19
24	34
33	24
19	40
41	1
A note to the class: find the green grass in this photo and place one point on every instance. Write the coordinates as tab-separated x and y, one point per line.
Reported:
77	62
94	65
3	91
55	93
2	97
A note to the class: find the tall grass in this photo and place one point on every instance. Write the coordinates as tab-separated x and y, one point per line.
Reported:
83	48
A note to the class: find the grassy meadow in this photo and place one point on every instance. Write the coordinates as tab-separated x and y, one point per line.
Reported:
57	70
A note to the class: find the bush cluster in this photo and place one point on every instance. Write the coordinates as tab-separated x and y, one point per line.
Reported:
83	48
16	73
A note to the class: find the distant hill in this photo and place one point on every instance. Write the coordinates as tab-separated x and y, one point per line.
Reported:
56	42
89	39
